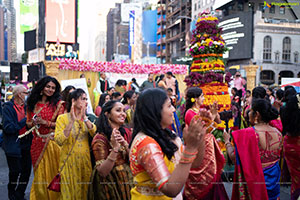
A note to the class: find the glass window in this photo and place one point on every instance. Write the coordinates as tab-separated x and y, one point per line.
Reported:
282	10
195	7
296	57
240	7
267	49
272	9
286	49
261	7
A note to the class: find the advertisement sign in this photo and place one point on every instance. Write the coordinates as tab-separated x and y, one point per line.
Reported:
79	83
127	7
149	29
131	31
60	21
238	35
54	50
28	15
36	55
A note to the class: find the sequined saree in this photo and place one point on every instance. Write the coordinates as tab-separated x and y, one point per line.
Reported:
150	168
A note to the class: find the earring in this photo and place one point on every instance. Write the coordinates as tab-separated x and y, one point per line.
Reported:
255	121
41	93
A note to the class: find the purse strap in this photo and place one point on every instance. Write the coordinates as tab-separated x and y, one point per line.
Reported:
62	167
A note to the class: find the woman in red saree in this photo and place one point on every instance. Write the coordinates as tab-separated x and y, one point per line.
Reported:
204	181
256	155
44	105
290	116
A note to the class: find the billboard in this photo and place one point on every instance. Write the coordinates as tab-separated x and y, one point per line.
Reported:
28	15
60	21
126	8
238	35
131	32
149	29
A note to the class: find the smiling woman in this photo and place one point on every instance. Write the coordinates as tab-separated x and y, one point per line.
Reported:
111	177
44	105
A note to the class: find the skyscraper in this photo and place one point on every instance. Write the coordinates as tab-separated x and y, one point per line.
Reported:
11	23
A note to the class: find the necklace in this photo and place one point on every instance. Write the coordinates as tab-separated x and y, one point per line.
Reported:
195	109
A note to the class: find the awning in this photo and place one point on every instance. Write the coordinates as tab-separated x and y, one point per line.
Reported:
220	3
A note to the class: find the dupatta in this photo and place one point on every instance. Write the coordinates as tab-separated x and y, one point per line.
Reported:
249	181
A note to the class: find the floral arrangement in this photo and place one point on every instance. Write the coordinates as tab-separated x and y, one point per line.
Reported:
208	69
198	79
121	68
206	38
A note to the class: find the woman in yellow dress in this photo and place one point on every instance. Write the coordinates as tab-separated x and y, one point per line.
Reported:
76	173
159	162
43	107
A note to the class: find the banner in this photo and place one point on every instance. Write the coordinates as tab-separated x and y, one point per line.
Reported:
28	15
131	32
60	21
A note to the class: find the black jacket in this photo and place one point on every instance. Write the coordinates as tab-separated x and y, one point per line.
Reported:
11	127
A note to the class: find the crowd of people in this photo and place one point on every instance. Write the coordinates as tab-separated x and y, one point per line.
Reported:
149	142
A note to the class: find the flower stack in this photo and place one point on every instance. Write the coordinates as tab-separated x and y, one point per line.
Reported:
207	70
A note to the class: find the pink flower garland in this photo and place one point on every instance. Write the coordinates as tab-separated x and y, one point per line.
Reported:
120	68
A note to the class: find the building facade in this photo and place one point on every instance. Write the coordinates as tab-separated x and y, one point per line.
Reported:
113	19
11	31
274	37
199	6
177	16
5	34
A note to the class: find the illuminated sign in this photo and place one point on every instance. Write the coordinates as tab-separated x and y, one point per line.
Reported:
60	21
238	35
55	50
131	31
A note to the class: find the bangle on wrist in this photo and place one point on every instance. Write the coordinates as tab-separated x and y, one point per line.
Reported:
86	119
111	159
226	143
115	149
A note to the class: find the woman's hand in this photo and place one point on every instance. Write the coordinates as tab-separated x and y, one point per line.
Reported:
72	113
120	139
194	134
83	111
206	114
214	109
38	120
226	136
114	142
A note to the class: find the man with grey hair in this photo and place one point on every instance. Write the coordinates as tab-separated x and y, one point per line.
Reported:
17	151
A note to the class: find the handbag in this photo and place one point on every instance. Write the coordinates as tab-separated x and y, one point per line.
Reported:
55	183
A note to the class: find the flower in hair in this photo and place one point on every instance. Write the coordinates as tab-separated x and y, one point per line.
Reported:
193	100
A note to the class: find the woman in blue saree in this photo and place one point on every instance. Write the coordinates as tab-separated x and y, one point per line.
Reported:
256	154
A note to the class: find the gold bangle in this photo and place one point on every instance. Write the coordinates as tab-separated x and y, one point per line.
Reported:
99	162
228	143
